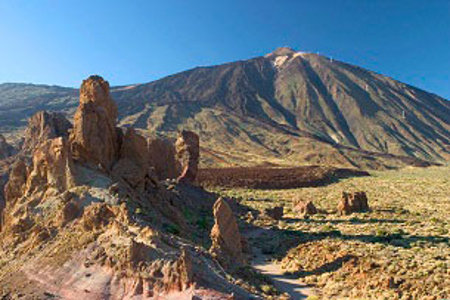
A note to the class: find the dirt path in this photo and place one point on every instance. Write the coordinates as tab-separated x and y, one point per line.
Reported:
284	283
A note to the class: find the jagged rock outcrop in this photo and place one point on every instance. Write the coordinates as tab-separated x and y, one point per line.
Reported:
52	167
43	160
81	232
188	153
226	239
51	172
94	138
353	202
15	186
44	126
133	164
305	208
162	157
6	150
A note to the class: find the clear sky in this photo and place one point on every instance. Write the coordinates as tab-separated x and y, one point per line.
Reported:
62	42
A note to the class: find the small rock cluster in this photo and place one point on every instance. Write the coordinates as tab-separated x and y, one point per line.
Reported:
305	208
353	202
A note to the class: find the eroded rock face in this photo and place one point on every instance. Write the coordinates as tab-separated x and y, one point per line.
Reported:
42	127
51	171
42	162
353	202
305	208
6	150
94	138
133	164
162	158
226	239
188	153
52	167
17	179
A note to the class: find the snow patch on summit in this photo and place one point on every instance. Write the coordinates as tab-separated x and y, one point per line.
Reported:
280	60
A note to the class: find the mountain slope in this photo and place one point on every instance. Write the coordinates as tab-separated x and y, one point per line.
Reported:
285	108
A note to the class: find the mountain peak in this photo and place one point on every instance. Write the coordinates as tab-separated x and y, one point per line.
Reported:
283	51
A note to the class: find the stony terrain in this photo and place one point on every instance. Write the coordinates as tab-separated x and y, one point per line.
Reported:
400	249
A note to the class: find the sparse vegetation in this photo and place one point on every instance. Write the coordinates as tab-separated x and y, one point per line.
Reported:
398	250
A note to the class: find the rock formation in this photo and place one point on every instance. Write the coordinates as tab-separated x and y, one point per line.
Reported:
352	202
305	208
44	126
133	164
226	239
52	167
94	137
188	152
17	180
274	213
162	158
75	230
6	150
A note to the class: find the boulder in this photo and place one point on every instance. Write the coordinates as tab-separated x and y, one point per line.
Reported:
353	202
305	208
94	138
162	158
226	239
43	126
188	153
274	213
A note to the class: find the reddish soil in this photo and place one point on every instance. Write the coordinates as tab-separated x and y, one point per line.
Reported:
274	178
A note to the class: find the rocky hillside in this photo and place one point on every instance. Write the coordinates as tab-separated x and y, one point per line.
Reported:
283	108
86	215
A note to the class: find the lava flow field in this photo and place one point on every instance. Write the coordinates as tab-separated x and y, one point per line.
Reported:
273	178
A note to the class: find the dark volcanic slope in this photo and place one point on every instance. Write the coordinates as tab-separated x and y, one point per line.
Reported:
286	108
306	94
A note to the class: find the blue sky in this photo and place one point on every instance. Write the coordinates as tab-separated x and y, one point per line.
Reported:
62	42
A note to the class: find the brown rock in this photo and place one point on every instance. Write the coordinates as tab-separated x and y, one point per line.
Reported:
352	202
274	213
99	215
188	153
178	275
16	184
94	138
52	167
226	239
162	158
133	164
305	208
44	126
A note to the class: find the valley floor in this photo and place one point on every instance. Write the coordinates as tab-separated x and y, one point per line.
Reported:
398	250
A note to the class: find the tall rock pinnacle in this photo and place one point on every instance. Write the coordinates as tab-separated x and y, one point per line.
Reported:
94	137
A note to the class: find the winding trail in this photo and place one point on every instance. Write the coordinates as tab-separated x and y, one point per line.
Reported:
284	283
